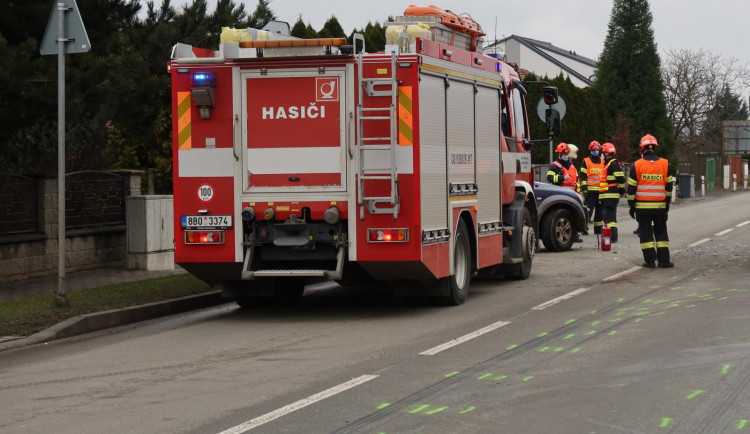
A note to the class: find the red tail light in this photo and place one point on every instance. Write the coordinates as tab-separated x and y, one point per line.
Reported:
204	237
387	235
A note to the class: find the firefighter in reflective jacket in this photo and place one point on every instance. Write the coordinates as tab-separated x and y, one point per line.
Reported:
649	194
591	176
561	171
611	187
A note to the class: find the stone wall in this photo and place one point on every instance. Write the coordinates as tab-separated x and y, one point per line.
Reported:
29	255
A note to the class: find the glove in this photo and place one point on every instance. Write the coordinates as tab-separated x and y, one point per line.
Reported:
632	212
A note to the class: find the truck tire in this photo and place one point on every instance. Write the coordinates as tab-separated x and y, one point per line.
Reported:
522	270
457	285
558	230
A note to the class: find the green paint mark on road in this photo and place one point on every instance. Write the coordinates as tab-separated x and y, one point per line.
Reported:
715	289
675	277
437	410
593	312
665	421
575	350
696	278
742	424
612	332
597	322
418	409
615	320
677	288
620	300
690	305
383	405
657	313
722	298
569	336
725	369
646	301
694	394
590	332
512	346
466	410
543	349
500	377
450	374
645	312
655	286
558	349
543	334
527	378
707	298
570	321
638	320
482	377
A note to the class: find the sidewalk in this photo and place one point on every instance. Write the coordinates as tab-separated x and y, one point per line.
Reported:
25	288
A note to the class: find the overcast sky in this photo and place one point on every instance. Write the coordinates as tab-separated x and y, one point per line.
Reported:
719	26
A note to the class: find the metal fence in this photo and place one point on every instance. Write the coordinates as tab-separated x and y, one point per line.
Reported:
19	209
94	199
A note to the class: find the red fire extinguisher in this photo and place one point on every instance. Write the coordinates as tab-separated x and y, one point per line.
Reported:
606	237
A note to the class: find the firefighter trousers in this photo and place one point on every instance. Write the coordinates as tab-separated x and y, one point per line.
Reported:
595	208
654	239
609	215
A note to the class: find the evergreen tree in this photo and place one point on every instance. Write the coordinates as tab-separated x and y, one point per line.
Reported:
629	74
299	30
262	15
332	29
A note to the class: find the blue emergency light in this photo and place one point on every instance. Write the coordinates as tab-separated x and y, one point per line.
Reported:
204	79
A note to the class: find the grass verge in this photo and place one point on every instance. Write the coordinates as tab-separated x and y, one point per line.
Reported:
28	316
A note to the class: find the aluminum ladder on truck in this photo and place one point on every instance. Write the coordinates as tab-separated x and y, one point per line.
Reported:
373	88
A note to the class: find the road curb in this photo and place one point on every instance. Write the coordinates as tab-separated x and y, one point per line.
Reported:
117	317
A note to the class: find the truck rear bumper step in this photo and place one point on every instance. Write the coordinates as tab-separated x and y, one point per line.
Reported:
336	274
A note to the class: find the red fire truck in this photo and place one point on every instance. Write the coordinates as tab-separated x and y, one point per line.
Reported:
310	159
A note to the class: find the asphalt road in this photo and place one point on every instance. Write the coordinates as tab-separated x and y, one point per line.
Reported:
590	343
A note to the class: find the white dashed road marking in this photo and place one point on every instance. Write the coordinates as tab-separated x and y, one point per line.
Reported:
464	338
302	403
618	275
698	243
554	301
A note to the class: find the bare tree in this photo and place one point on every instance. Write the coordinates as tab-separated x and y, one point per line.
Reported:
693	79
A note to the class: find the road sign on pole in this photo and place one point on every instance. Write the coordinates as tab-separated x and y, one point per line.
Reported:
542	108
65	16
64	34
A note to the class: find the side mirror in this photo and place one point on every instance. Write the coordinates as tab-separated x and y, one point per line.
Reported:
549	95
553	121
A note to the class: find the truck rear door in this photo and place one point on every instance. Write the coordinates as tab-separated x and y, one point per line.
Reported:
294	130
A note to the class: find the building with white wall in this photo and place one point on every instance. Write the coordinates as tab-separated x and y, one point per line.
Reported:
544	59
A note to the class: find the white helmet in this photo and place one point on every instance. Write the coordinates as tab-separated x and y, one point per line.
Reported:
573	151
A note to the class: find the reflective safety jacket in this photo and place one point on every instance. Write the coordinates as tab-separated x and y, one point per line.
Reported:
612	184
649	184
556	175
591	174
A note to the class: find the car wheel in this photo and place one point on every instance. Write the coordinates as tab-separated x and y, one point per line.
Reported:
558	231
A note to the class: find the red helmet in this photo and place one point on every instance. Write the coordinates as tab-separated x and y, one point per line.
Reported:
648	140
594	145
609	148
562	148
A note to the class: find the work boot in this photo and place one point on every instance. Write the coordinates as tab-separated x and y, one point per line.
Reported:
666	264
649	265
577	238
635	232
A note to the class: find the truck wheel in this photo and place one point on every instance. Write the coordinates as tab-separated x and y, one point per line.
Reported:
522	270
458	284
557	230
